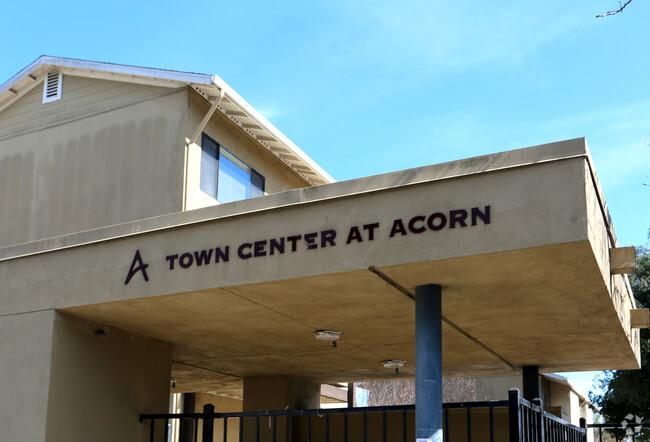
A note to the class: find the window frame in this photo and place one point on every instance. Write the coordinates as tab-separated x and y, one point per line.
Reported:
210	170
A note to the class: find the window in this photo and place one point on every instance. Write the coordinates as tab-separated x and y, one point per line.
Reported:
224	176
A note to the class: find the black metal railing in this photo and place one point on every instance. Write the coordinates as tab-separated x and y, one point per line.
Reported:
462	422
530	423
475	421
630	431
514	420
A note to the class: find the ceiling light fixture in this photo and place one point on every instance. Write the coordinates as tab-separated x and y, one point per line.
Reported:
327	335
393	363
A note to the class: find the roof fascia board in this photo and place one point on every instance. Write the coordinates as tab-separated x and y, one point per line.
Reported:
23	73
183	77
38	80
110	76
108	68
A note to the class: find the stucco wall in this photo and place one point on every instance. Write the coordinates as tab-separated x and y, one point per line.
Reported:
61	382
602	238
278	175
92	163
99	385
110	152
221	405
26	341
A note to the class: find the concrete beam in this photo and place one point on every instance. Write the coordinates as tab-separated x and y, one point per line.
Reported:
639	318
622	260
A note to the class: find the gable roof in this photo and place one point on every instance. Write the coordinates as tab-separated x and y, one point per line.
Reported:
559	379
208	86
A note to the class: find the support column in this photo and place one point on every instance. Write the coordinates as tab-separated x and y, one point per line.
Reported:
100	379
530	381
351	392
186	426
268	393
264	393
25	358
428	363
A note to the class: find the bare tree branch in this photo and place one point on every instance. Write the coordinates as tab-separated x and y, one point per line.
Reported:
620	9
402	392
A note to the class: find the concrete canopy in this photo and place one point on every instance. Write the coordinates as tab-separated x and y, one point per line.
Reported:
519	241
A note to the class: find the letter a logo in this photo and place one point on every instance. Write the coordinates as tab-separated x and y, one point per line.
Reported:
135	269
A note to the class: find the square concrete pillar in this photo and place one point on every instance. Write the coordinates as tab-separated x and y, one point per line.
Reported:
262	393
63	382
26	342
101	382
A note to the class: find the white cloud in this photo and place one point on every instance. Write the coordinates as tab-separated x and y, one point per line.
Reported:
613	134
457	34
271	111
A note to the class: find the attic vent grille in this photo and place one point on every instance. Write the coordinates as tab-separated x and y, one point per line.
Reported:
52	86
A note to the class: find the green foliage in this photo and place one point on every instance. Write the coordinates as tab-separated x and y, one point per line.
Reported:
628	391
641	280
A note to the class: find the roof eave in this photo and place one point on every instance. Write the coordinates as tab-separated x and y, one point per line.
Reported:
270	128
303	164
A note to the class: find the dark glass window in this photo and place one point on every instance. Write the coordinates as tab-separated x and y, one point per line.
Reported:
224	176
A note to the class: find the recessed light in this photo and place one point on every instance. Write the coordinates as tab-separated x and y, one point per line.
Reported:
327	335
393	363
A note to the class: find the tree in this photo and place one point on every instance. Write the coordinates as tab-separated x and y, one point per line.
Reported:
627	392
402	392
395	392
463	390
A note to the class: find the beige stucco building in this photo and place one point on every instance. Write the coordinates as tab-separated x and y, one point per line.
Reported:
153	226
559	396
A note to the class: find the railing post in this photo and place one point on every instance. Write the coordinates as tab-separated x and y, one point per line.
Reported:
540	420
583	425
514	415
208	423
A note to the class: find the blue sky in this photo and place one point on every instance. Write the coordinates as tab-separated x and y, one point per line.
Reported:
367	87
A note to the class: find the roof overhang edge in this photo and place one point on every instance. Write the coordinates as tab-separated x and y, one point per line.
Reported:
183	78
